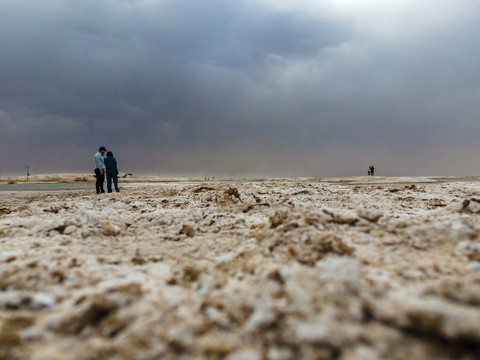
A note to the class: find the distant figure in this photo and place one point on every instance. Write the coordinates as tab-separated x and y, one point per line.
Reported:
372	170
112	172
99	169
369	171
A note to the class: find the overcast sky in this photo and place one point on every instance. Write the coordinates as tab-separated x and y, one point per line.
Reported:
241	88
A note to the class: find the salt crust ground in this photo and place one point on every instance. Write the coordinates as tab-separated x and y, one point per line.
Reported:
269	270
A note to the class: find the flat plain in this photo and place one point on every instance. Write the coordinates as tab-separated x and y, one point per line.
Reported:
345	268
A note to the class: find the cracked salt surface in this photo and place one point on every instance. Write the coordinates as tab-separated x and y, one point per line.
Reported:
262	270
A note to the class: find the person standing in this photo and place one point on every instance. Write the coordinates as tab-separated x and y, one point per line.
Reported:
112	172
99	169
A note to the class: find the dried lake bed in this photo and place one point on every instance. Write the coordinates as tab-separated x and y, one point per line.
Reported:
347	268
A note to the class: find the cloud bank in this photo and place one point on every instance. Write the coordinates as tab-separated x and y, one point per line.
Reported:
244	88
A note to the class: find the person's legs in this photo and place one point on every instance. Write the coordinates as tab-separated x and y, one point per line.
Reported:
101	181
115	182
109	182
98	186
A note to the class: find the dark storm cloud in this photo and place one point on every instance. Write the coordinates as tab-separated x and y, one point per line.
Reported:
237	87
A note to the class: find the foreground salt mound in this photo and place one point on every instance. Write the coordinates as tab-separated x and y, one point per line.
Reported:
272	270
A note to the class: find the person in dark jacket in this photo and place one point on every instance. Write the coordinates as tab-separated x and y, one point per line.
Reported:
112	172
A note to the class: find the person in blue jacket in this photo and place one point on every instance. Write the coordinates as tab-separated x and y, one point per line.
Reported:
112	172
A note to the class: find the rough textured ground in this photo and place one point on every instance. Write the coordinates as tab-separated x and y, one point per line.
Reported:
272	270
